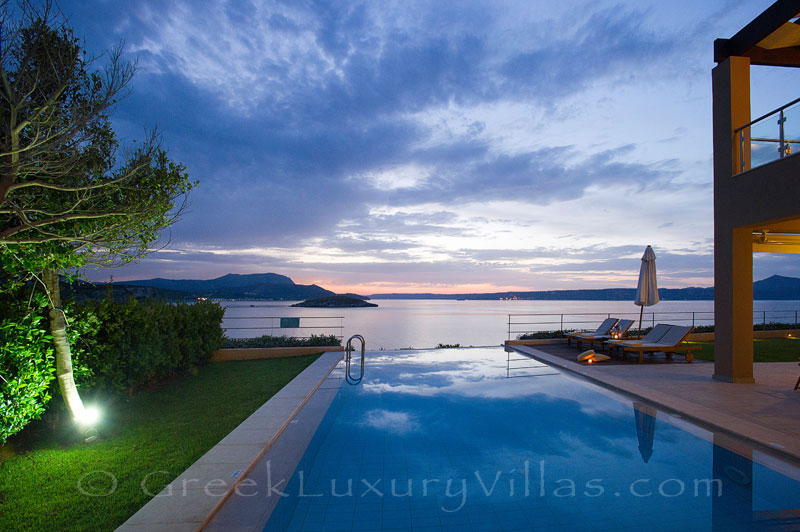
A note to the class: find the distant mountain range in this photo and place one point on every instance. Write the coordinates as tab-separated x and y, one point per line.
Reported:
775	287
231	281
232	286
279	287
601	294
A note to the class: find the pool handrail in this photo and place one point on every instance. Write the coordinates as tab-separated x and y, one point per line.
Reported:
348	357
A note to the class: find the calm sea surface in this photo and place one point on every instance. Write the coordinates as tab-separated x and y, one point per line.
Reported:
397	324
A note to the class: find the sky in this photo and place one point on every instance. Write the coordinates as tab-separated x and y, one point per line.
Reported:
435	146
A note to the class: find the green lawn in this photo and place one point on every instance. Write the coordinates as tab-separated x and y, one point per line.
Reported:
764	350
165	429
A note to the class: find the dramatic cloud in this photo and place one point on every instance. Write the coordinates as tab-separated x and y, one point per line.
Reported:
410	145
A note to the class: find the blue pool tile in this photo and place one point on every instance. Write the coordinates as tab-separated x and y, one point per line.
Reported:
399	513
336	527
514	523
420	521
570	527
396	524
367	515
486	525
367	524
457	528
459	517
425	507
314	517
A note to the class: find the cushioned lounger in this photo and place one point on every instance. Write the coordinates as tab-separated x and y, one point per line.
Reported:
653	335
623	325
671	342
603	330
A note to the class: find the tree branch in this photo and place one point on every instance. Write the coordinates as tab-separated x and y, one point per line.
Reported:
66	188
50	221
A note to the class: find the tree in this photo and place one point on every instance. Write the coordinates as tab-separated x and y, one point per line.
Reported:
69	194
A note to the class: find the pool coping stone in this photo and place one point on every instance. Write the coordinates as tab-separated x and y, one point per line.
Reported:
205	485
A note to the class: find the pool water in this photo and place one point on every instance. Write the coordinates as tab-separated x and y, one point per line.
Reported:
482	440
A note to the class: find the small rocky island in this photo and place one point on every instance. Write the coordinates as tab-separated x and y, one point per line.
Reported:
335	302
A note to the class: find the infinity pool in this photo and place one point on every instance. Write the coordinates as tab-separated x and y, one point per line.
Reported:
482	440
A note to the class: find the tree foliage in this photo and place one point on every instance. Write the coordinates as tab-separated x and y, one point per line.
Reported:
70	194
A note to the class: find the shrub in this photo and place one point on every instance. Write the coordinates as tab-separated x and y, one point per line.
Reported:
136	343
281	341
26	370
27	359
541	335
772	326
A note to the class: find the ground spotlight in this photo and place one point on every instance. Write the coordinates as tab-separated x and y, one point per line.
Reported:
89	417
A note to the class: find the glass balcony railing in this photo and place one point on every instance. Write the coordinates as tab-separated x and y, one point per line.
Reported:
772	136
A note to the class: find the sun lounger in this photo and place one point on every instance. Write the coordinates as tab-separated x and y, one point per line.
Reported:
673	341
654	335
601	331
622	326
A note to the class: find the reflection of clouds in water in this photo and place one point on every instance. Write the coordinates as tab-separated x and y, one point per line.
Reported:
460	403
480	373
411	389
398	422
556	416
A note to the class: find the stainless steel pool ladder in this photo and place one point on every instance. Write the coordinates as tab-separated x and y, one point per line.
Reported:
348	357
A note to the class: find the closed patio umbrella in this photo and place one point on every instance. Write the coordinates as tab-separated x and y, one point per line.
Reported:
647	290
645	416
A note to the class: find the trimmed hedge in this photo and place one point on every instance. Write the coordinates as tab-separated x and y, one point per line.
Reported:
137	343
280	341
116	348
541	335
770	326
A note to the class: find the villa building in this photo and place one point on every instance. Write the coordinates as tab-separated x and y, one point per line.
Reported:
756	178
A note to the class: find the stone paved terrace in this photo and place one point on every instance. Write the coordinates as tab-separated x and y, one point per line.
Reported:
767	412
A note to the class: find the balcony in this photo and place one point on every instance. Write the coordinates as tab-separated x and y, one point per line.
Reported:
773	136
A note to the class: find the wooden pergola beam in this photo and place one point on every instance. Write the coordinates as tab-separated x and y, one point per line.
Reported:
745	42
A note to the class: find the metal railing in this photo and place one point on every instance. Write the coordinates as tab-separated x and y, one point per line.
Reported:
761	135
519	324
290	325
348	354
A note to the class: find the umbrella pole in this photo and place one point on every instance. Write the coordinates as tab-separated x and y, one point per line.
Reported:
641	312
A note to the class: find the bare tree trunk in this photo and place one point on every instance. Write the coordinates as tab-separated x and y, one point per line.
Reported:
58	329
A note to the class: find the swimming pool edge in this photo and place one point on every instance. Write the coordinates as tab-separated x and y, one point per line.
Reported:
775	442
190	501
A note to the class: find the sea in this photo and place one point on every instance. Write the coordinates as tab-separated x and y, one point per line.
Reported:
427	323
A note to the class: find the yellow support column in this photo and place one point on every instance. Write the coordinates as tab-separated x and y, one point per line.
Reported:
733	246
733	338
